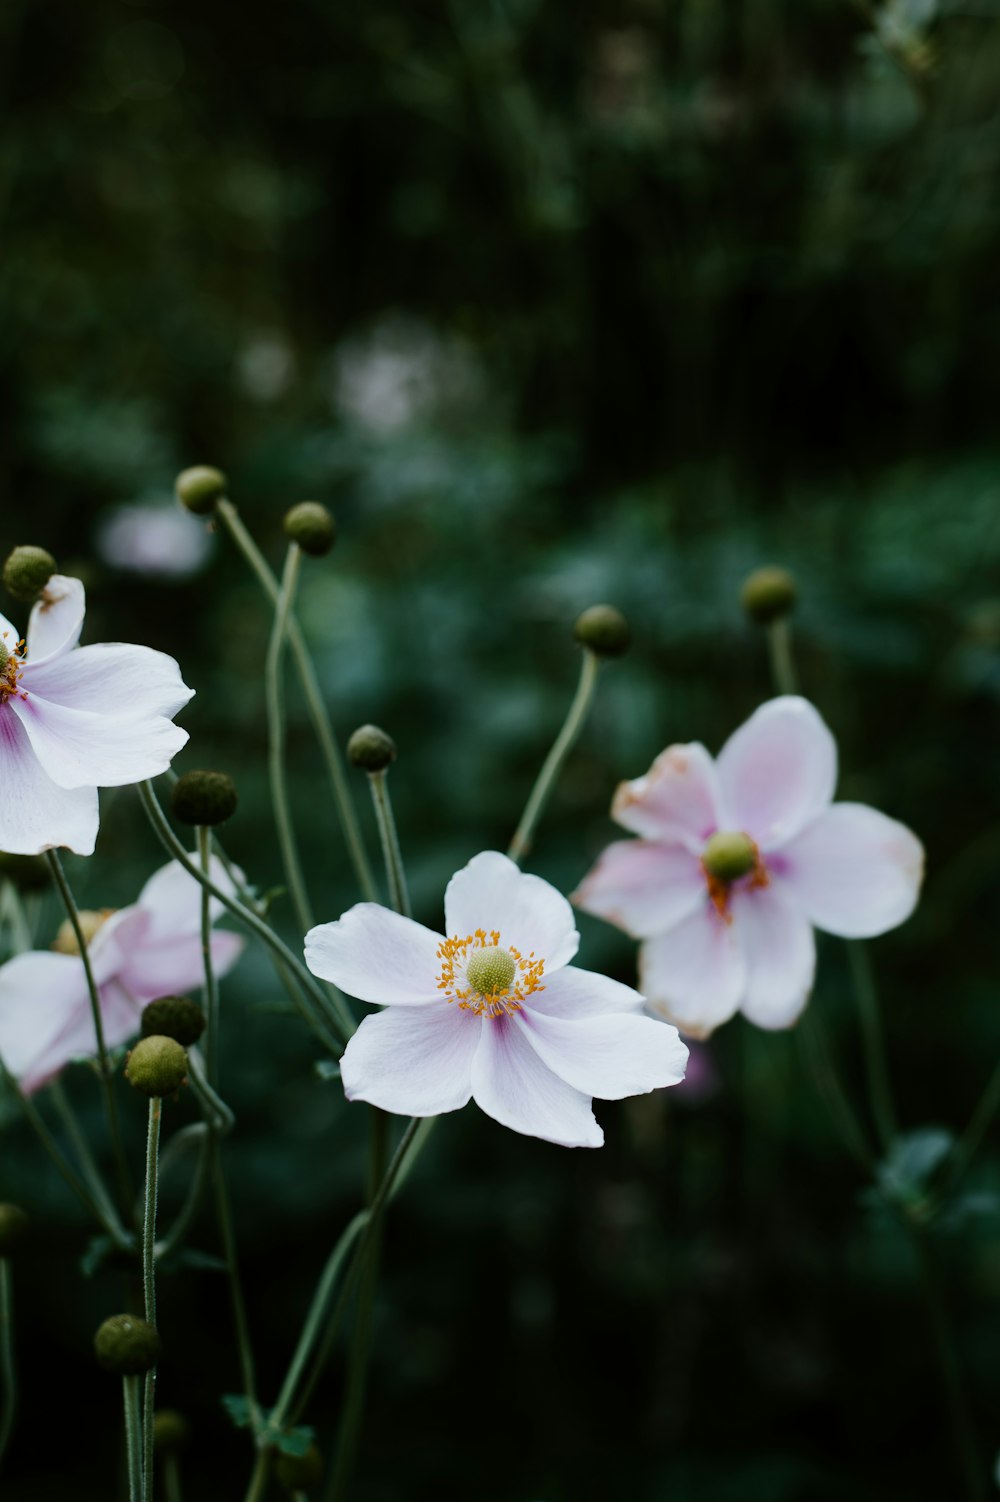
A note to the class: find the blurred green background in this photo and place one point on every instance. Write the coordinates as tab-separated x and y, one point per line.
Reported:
551	305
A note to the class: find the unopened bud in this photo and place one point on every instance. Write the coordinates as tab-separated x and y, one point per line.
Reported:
728	855
768	594
603	630
204	798
299	1473
126	1345
91	923
27	571
312	527
200	487
171	1431
157	1066
176	1017
371	749
13	1224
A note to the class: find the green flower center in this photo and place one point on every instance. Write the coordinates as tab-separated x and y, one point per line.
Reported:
491	971
728	855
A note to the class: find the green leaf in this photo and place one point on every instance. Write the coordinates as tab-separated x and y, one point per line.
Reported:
295	1441
238	1408
327	1069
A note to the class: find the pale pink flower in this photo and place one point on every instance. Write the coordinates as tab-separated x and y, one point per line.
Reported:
712	947
139	953
494	1012
73	719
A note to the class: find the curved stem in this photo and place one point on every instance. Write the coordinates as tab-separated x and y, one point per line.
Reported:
149	1281
399	896
8	1373
276	737
876	1066
779	650
213	1107
561	747
314	699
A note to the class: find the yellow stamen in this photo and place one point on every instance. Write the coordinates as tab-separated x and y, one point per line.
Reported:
496	1000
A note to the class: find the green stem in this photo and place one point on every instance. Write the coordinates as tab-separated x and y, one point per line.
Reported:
149	1281
196	1190
399	896
779	650
13	911
974	1133
213	1107
211	988
78	1142
261	1475
8	1374
952	1381
104	1061
876	1067
133	1437
329	1009
235	1285
829	1087
314	699
276	736
561	747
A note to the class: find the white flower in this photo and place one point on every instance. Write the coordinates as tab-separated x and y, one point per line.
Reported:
494	1012
137	954
73	719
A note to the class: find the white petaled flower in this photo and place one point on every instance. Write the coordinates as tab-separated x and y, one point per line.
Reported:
493	1012
137	954
73	719
737	861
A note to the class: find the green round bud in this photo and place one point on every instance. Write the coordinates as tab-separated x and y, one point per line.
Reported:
126	1345
768	594
728	855
312	527
13	1224
297	1473
171	1431
200	487
27	571
603	630
176	1017
490	971
156	1066
29	872
371	749
204	798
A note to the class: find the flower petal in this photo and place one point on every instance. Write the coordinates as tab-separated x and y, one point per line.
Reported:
378	956
644	888
780	952
413	1062
677	801
777	771
609	1057
511	1084
172	897
856	872
111	679
81	749
56	621
174	966
35	813
574	993
492	893
695	975
42	997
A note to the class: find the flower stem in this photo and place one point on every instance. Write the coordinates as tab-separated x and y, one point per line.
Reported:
968	1144
779	651
211	987
399	896
561	747
149	1282
8	1374
314	699
213	1107
274	691
829	1087
111	1105
876	1067
133	1437
78	1142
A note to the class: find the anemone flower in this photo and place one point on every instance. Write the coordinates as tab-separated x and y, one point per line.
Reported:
737	862
493	1012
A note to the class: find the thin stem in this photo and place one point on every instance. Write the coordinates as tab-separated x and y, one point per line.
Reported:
8	1373
133	1437
332	1009
952	1380
395	876
196	1190
274	693
829	1087
213	1107
314	700
235	1285
104	1061
876	1067
211	988
779	650
261	1475
974	1133
78	1142
149	1281
13	910
561	747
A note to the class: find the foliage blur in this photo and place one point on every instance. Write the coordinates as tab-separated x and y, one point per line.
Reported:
550	306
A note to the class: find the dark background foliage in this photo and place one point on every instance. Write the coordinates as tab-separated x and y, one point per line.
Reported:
550	304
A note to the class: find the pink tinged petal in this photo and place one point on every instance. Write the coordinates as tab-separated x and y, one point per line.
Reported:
643	888
9	634
413	1062
121	1014
677	801
512	1084
42	998
172	897
115	940
777	771
80	749
574	993
378	956
856	872
780	952
172	967
492	893
35	813
607	1057
110	679
56	621
695	975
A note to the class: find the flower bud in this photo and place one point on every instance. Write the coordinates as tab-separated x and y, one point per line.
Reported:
728	855
156	1066
204	798
126	1345
371	749
603	630
200	487
13	1224
768	594
171	1431
27	571
312	527
29	872
176	1017
298	1473
91	922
